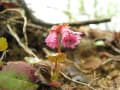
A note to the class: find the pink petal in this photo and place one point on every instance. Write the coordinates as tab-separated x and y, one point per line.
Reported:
70	38
52	40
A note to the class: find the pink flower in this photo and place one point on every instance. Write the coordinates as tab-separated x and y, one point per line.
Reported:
70	38
52	40
60	28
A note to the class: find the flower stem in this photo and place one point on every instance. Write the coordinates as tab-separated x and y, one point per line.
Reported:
56	70
57	64
59	48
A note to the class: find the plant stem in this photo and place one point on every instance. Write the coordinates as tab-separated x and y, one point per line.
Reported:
57	64
55	74
59	49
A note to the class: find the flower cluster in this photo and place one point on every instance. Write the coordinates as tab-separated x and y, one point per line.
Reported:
62	34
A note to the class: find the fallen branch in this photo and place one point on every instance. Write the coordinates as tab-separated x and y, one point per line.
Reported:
87	22
37	21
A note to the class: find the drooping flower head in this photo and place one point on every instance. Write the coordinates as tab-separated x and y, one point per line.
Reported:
52	40
68	37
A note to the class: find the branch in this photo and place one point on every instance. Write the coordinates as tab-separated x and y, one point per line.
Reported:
37	21
95	21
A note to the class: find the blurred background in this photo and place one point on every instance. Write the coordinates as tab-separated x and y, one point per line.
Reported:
59	11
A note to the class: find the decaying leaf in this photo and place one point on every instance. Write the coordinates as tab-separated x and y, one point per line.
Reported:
21	68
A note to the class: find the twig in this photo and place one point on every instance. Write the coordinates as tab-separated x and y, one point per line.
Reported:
113	47
75	65
25	47
25	22
28	50
3	55
93	80
78	82
24	31
6	10
109	60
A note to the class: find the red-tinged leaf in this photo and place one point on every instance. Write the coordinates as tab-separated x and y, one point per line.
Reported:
55	84
9	5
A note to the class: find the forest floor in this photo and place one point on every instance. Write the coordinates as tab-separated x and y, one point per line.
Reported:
92	65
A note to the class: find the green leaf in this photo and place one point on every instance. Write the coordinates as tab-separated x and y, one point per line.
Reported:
32	60
99	43
3	44
12	81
